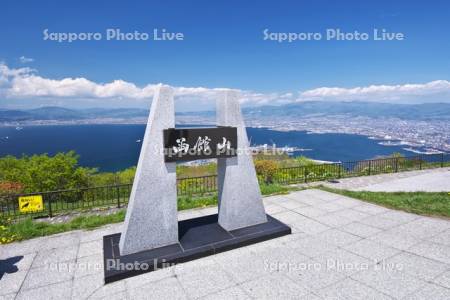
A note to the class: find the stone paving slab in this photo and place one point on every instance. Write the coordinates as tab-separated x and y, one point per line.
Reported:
341	248
430	180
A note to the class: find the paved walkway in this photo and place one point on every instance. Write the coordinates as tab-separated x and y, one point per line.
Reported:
431	180
340	248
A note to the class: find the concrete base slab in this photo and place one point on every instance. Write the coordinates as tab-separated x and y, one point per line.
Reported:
198	238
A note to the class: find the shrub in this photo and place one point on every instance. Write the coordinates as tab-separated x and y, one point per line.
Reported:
6	236
266	170
44	173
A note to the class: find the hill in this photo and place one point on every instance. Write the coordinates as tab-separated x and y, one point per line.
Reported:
423	112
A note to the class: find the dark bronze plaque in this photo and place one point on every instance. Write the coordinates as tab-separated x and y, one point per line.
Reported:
199	143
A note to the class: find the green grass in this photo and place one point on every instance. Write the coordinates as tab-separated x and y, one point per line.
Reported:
430	204
422	203
187	202
28	228
274	189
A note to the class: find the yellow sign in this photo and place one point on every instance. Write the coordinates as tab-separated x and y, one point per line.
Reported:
31	204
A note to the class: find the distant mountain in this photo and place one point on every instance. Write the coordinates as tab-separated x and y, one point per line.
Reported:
54	113
434	111
14	115
65	114
121	113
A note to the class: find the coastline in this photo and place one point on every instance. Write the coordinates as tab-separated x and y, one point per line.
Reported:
384	140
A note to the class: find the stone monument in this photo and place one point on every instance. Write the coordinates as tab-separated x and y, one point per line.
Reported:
151	234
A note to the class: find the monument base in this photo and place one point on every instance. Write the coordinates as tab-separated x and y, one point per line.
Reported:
198	238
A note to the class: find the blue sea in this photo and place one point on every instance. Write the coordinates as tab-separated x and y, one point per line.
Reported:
115	147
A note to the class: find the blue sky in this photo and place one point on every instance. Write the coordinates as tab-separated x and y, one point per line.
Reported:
223	47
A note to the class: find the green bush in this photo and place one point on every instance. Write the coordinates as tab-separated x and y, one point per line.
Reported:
195	171
44	173
113	178
266	170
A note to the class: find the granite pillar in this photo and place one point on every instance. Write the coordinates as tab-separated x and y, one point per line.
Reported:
151	219
240	201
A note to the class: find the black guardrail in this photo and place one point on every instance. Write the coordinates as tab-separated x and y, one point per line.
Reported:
56	202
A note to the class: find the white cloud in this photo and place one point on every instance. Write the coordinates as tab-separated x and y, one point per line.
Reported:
25	83
25	60
6	74
434	91
36	86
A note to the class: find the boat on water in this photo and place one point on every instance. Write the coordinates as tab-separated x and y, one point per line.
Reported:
394	143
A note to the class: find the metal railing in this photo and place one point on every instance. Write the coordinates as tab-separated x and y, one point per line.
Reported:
304	174
56	202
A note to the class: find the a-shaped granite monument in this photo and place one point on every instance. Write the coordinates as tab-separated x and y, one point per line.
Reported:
152	237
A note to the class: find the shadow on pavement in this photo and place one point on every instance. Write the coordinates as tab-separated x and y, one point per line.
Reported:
8	265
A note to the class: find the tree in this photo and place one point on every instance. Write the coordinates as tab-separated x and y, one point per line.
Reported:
39	173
